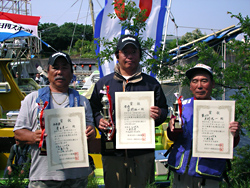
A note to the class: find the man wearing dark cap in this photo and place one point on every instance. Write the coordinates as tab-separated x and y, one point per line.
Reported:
127	167
191	171
27	127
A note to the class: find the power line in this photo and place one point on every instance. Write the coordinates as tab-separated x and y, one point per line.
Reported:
67	10
99	4
75	26
199	28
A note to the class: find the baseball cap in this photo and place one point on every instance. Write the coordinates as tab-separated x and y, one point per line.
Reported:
54	56
190	72
128	39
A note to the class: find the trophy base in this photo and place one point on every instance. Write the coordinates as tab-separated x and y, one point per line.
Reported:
177	127
43	152
178	130
109	146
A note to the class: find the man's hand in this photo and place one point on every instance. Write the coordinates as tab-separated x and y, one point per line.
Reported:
90	132
171	123
234	128
103	124
37	136
9	170
155	112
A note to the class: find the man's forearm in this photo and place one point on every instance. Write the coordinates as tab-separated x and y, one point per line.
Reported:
26	136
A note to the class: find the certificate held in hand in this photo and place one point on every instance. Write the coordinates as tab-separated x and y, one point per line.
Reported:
66	140
211	135
135	129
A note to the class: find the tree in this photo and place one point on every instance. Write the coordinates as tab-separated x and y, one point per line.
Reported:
237	76
85	48
189	37
59	37
49	34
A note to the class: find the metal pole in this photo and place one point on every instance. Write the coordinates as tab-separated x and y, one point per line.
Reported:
224	49
166	30
92	14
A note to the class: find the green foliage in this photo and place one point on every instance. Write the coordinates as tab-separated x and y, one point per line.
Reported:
133	20
237	74
17	179
107	53
85	48
92	181
188	37
174	43
245	24
242	107
191	36
239	176
152	185
49	34
59	37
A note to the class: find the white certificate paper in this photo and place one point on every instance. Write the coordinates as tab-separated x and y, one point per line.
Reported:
211	135
66	142
134	126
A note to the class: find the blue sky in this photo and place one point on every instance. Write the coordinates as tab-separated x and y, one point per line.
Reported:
208	15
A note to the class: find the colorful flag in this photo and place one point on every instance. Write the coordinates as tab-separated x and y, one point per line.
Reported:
17	25
110	28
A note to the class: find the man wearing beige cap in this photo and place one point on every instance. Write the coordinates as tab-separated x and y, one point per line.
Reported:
181	162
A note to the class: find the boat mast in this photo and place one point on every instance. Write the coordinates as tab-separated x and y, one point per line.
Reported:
91	6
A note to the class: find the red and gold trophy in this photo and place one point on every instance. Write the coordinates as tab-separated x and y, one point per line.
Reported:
41	125
177	112
107	115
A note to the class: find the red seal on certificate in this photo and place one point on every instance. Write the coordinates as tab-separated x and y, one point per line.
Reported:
221	147
77	156
143	136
